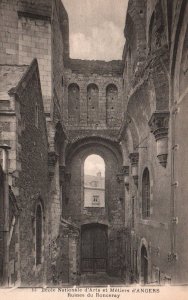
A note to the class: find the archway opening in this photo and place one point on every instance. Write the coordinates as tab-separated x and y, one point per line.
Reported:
144	265
94	181
38	234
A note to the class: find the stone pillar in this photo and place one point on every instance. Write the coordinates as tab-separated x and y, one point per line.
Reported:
159	127
6	229
134	158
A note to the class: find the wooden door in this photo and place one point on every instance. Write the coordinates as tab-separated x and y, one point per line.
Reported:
94	248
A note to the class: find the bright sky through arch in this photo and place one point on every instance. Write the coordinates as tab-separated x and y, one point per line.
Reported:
96	28
94	164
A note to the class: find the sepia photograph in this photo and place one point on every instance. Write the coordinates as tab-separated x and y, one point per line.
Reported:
93	141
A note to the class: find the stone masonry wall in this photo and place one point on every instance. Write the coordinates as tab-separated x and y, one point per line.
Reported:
32	182
113	213
35	41
27	32
148	91
94	113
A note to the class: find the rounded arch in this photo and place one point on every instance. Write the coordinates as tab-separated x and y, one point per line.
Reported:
93	143
92	86
144	266
73	86
94	181
99	159
148	165
111	87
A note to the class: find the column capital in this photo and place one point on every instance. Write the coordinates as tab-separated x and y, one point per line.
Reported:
158	124
134	158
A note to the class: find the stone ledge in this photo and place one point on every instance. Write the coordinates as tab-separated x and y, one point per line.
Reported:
24	14
153	223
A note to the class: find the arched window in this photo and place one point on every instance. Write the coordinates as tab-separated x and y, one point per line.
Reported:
111	104
92	103
146	194
73	104
94	181
38	235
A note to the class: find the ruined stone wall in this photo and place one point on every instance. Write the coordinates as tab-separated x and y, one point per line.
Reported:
95	109
113	213
1	226
64	256
179	127
60	50
156	101
9	32
33	179
27	31
32	182
35	41
154	229
26	35
28	150
147	92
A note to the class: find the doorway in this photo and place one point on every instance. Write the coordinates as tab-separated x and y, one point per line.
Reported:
94	248
144	265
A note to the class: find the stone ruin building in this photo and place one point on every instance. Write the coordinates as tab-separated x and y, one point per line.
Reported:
56	111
